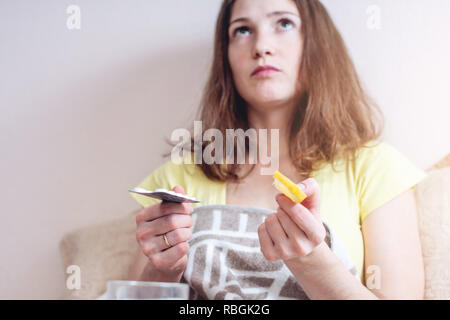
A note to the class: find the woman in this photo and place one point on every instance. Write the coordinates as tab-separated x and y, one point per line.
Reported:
359	189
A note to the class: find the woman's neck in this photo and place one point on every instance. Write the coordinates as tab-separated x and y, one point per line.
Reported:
277	119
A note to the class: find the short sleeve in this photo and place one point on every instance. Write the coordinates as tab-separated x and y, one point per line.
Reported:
383	173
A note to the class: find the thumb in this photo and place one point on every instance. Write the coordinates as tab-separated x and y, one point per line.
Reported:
312	202
178	189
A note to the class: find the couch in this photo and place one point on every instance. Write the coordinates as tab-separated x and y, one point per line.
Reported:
105	251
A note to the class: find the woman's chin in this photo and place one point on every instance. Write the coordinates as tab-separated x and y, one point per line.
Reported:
268	103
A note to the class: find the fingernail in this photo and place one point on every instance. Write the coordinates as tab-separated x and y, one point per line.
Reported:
302	186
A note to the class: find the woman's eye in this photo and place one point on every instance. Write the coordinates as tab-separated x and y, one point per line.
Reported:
239	29
286	22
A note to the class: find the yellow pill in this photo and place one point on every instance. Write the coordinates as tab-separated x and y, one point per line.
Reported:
288	188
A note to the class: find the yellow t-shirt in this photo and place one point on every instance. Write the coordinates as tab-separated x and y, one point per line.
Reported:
348	194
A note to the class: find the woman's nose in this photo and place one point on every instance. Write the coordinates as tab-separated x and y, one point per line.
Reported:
262	53
262	47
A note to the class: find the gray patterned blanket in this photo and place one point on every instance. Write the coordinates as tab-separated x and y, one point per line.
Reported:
225	261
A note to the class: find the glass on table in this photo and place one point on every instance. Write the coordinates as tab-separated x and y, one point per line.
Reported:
143	290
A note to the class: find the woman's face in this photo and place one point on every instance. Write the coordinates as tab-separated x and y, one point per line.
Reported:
265	37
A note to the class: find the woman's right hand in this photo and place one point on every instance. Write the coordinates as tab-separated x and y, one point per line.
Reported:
165	264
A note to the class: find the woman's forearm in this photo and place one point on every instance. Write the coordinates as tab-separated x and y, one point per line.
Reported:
323	276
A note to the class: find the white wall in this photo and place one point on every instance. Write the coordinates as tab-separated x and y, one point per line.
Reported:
83	112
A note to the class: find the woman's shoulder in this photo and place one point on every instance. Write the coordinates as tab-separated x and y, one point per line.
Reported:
360	157
379	153
371	149
181	171
183	168
382	173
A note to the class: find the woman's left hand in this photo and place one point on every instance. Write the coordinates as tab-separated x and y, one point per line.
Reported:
295	230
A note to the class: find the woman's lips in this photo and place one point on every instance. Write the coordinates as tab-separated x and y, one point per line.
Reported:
265	73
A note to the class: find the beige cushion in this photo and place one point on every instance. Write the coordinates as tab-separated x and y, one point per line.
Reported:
443	163
433	206
105	251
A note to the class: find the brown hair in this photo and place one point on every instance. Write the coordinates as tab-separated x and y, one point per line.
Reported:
334	116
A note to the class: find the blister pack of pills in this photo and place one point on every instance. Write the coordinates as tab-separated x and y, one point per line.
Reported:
165	195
